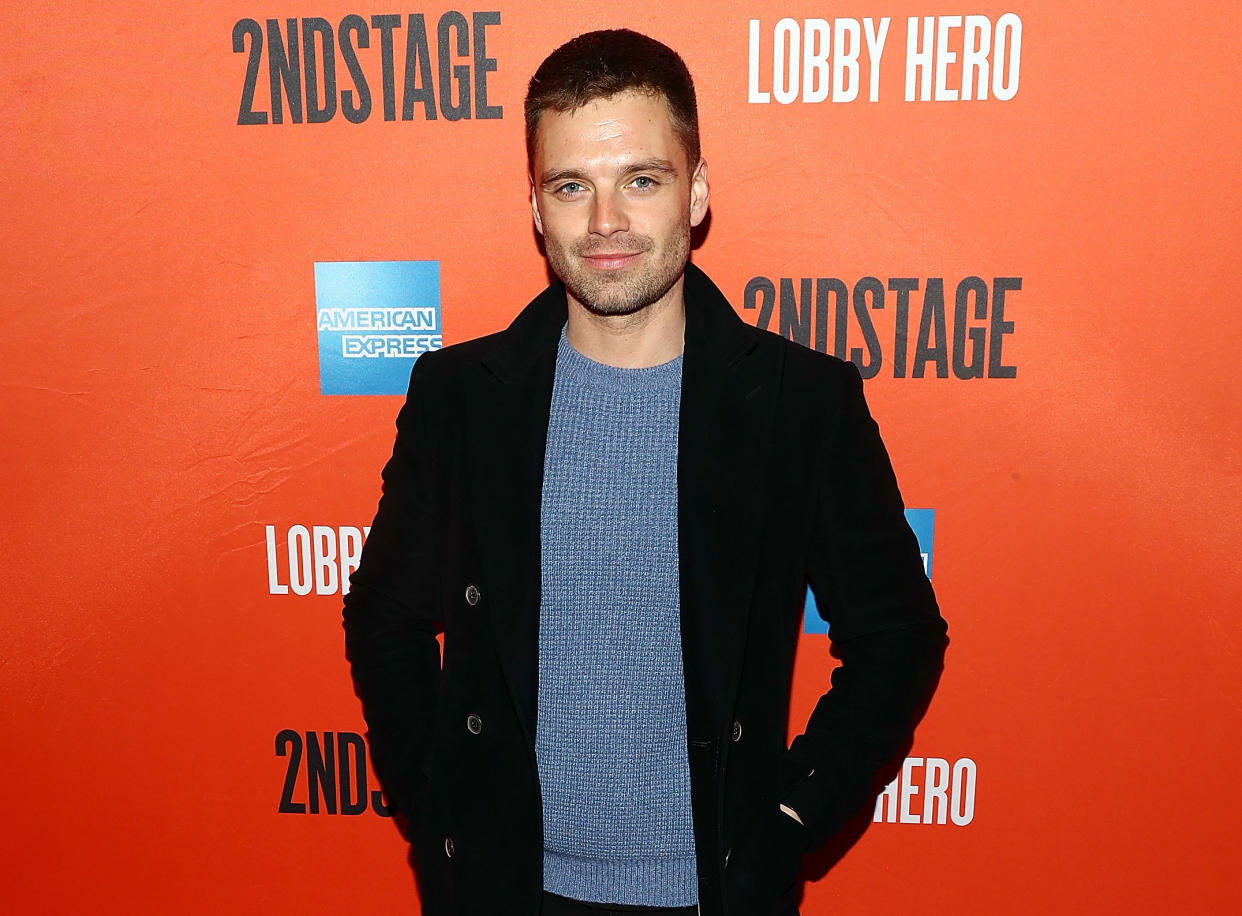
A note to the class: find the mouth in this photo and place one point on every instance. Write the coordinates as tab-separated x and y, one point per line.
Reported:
611	261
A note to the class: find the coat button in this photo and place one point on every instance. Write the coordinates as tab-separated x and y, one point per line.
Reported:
474	724
448	846
473	595
736	734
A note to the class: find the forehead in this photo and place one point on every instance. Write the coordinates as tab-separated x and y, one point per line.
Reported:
629	125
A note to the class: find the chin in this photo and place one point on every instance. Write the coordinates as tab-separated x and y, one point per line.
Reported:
620	295
617	298
610	307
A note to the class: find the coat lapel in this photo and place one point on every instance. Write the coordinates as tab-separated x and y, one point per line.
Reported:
508	430
729	385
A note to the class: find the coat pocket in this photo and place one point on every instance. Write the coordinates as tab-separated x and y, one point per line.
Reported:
761	870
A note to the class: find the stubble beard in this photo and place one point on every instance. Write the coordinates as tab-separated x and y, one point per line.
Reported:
624	291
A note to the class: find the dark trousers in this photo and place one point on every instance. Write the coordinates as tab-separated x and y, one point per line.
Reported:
562	906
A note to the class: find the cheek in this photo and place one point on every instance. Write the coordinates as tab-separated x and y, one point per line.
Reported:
559	226
672	220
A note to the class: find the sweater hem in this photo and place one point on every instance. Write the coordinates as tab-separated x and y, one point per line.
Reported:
631	881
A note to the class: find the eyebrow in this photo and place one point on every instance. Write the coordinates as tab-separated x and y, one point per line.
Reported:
662	166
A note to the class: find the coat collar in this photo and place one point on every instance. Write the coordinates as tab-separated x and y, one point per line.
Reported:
728	389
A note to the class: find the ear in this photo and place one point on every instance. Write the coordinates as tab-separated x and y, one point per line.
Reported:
700	193
534	206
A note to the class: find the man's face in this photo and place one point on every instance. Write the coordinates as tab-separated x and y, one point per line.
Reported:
615	198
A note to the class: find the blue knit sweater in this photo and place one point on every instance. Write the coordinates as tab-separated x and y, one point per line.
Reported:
611	733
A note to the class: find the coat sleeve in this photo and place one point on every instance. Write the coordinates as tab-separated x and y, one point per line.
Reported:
391	610
866	572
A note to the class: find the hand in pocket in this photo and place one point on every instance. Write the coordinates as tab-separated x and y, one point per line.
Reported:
763	866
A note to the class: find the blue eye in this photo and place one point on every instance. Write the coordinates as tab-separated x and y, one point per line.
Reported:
571	187
643	183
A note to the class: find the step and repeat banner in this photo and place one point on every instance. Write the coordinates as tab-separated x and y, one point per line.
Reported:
232	227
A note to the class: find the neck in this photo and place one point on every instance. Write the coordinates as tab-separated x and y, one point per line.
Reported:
650	336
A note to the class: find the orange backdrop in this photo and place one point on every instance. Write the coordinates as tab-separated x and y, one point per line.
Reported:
163	409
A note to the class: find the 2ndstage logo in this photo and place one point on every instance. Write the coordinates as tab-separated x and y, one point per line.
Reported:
301	63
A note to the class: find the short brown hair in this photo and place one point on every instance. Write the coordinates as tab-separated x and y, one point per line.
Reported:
599	65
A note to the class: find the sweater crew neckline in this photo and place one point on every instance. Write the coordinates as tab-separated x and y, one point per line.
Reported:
645	381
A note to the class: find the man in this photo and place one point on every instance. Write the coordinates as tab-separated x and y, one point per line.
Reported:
580	503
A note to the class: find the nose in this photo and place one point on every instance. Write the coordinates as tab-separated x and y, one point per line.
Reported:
608	213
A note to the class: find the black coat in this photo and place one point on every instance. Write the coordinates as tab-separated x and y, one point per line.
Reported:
782	480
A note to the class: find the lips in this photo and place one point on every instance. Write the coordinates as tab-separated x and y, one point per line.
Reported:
611	260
